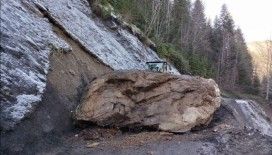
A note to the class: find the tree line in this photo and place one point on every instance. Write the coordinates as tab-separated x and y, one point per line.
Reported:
190	41
262	54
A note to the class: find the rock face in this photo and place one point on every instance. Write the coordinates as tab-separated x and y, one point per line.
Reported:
162	101
29	38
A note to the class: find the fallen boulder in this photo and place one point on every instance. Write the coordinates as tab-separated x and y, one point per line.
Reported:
174	103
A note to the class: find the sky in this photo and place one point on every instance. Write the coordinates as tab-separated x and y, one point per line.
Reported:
254	17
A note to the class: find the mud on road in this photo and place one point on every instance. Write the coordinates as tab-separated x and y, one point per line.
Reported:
224	135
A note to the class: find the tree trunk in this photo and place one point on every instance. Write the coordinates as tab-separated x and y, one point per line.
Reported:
269	68
267	88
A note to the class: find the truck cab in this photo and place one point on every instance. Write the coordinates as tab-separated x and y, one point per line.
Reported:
158	66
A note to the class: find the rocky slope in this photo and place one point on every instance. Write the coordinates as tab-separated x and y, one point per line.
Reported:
50	51
32	30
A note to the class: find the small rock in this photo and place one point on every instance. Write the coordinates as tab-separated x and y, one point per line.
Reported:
166	134
112	25
215	130
168	138
92	145
72	72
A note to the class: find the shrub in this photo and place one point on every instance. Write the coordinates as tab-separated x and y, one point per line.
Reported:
169	52
200	66
102	8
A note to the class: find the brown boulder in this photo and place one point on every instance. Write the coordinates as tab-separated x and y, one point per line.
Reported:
174	103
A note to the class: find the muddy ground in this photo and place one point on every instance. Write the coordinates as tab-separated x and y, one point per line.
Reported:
224	135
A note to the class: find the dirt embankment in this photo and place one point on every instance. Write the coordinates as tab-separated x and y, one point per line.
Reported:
69	73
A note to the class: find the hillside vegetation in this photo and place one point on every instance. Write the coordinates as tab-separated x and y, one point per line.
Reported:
186	38
261	53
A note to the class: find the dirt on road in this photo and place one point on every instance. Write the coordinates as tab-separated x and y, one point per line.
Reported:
222	136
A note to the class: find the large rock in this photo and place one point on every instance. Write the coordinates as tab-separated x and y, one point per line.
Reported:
174	103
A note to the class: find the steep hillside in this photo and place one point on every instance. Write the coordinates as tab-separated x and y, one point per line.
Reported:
50	50
34	30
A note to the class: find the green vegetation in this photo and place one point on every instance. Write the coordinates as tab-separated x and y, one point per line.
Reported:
128	11
201	66
193	64
102	8
185	37
169	52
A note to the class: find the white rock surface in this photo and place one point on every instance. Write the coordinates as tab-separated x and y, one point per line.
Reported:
255	117
120	49
25	40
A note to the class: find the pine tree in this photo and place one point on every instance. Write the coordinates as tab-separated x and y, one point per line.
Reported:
244	67
199	30
180	22
185	37
227	56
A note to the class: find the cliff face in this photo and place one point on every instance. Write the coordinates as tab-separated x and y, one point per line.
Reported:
25	40
46	42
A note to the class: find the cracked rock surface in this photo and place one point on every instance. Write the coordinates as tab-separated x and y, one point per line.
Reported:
161	101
